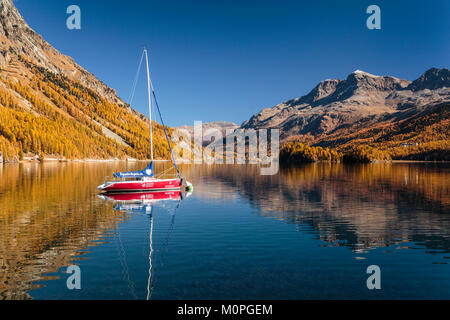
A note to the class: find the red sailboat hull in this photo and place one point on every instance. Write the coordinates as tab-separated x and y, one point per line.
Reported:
141	185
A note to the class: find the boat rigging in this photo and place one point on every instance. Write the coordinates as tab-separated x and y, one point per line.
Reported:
145	180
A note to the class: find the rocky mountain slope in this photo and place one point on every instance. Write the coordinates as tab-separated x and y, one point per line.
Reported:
49	105
383	111
222	126
18	38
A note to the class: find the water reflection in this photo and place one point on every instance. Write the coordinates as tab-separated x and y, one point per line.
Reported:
51	217
359	206
144	203
46	218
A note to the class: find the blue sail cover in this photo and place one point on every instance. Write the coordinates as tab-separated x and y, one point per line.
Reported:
147	172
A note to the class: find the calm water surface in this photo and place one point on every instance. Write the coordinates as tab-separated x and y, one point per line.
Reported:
307	232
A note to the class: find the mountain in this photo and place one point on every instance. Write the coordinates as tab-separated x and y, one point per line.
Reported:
51	106
18	38
222	126
432	79
382	111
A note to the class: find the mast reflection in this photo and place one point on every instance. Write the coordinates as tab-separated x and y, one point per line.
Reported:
145	203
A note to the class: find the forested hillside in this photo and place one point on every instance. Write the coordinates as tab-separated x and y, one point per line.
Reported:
52	107
48	114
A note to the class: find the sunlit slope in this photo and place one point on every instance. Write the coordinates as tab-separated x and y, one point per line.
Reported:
48	114
51	106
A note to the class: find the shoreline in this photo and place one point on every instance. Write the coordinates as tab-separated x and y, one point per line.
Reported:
54	160
420	161
372	162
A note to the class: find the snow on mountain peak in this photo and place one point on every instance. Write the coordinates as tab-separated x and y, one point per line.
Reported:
364	73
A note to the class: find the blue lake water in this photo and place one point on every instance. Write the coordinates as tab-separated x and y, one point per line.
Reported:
308	232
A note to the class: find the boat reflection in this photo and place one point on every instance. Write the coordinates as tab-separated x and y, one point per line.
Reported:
144	203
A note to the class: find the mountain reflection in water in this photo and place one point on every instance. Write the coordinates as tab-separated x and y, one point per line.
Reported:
51	217
359	206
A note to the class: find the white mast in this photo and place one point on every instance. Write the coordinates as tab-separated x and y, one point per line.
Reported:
149	104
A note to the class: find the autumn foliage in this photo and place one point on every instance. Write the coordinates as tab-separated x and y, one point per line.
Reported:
48	114
421	136
365	154
296	152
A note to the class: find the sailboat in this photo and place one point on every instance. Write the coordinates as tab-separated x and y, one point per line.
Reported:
145	180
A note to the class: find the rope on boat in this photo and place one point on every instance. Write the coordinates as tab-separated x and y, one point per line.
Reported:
164	172
157	106
165	132
133	89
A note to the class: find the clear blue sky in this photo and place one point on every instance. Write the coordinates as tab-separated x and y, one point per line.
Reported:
225	60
